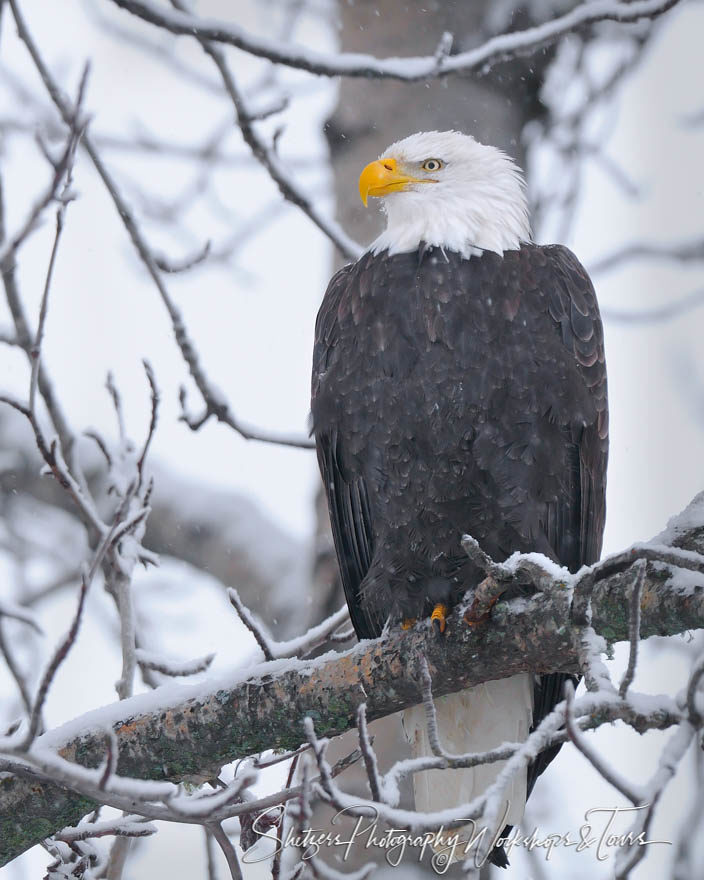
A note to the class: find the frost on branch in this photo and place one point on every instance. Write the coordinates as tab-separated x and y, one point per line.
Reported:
188	732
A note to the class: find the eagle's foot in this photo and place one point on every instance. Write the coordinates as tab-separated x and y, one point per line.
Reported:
408	622
478	613
438	617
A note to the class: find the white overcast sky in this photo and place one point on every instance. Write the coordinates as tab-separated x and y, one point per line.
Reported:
253	326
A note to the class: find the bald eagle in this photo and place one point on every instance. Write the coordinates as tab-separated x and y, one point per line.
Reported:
459	386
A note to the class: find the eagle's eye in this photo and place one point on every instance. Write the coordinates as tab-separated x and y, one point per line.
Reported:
432	164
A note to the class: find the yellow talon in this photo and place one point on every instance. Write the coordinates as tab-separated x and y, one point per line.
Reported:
439	614
408	622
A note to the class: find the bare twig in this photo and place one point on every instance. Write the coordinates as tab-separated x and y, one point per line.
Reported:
695	716
173	267
66	196
15	672
63	649
10	247
52	456
486	804
153	420
262	763
266	154
566	132
153	48
210	853
612	168
471	547
58	658
676	557
251	623
655	315
596	675
684	252
24	340
276	864
114	393
227	848
633	625
215	404
119	852
101	444
122	590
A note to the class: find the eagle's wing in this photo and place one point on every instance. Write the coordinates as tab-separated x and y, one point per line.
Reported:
348	501
575	524
573	306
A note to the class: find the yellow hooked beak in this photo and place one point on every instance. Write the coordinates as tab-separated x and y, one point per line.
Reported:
381	178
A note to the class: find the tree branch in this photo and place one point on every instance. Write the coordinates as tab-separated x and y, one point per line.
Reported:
656	315
682	252
266	155
183	732
405	69
216	405
212	530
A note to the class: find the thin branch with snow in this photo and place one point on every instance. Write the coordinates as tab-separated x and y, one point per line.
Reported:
670	758
172	668
125	826
405	69
368	754
633	626
301	646
216	725
215	404
54	460
634	794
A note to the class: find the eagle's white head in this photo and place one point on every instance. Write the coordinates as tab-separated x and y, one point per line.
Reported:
446	189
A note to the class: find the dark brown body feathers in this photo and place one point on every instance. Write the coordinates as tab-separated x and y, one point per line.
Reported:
455	396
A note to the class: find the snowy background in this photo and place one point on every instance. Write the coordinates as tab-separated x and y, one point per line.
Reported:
253	325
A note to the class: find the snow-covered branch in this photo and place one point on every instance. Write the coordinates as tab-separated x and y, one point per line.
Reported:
271	583
406	69
181	732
